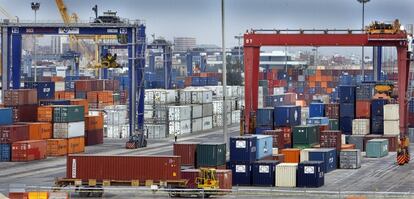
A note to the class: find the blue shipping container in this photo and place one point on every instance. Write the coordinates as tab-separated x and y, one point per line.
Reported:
377	107
241	173
345	125
346	110
346	94
264	146
264	117
5	152
259	130
243	148
45	90
310	174
6	116
345	80
327	156
69	85
263	173
287	116
318	121
377	125
54	102
316	110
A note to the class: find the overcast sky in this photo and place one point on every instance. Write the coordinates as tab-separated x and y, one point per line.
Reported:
201	18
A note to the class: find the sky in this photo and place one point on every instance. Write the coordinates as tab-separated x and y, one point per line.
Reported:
202	18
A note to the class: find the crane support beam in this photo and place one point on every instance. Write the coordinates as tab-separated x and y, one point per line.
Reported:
253	42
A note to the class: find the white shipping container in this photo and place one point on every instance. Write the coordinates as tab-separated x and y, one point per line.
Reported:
392	127
185	97
196	124
233	103
278	90
360	127
391	112
179	127
160	96
240	104
235	117
218	107
207	110
304	154
304	115
148	111
260	102
179	113
286	174
57	195
196	111
68	130
117	131
149	97
275	151
324	98
201	96
217	91
156	131
343	139
59	86
207	123
218	120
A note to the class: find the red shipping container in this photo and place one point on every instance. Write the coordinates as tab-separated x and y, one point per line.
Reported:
392	142
370	137
225	178
19	195
332	111
29	150
287	134
25	113
363	108
20	97
83	86
190	175
13	133
142	168
93	137
323	128
278	138
187	151
330	139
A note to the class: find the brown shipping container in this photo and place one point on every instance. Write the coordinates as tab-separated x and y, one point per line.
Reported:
25	113
93	122
76	145
190	175
332	111
19	195
60	95
187	151
363	108
29	150
225	178
93	137
57	147
45	114
278	138
82	102
331	139
39	130
279	157
83	85
370	137
92	96
20	97
119	167
287	134
392	142
13	133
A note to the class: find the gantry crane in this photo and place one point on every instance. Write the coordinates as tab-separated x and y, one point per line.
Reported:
10	17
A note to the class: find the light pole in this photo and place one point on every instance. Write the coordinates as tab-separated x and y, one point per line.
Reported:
363	24
35	7
223	47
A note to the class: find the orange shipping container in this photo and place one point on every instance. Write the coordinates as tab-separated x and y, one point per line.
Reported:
64	95
291	155
81	102
312	84
329	90
57	147
105	97
324	84
347	146
318	78
93	122
39	130
92	96
45	113
312	78
76	145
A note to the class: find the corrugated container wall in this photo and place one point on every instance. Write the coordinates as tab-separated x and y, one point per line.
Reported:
211	154
286	175
243	148
310	174
263	173
187	151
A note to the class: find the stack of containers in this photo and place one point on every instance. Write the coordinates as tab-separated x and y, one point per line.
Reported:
377	116
264	119
391	119
6	118
69	124
204	98
24	104
364	93
94	129
179	118
100	99
156	111
218	113
116	121
45	90
332	112
346	108
281	99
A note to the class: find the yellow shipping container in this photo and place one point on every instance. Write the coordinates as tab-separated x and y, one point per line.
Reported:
38	195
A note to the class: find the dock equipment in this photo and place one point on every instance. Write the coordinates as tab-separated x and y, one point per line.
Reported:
254	39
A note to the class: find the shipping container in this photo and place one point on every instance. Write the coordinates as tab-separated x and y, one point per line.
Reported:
20	97
347	110
392	142
119	167
179	127
264	117
94	122
45	113
346	94
191	175
179	113
207	123
263	173
241	173
211	154
287	116
345	125
327	156
13	133
5	152
332	111
391	112
196	111
316	109
278	138
365	91
54	102
6	116
94	137
333	124
286	174
377	148
310	174
264	145
304	154
29	150
187	151
360	127
68	130
70	113
317	121
305	136
357	140
45	90
81	102
25	113
154	131
377	107
243	148
225	178
76	145
207	109
196	124
57	147
281	100
58	195
350	159
363	109
39	130
291	155
391	127
377	125
331	139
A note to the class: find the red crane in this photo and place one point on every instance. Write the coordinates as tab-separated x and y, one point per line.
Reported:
255	39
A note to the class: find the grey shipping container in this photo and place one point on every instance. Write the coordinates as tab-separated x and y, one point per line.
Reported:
358	140
350	159
211	154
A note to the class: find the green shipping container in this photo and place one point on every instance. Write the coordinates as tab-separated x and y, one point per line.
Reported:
211	154
305	136
333	124
68	113
377	148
